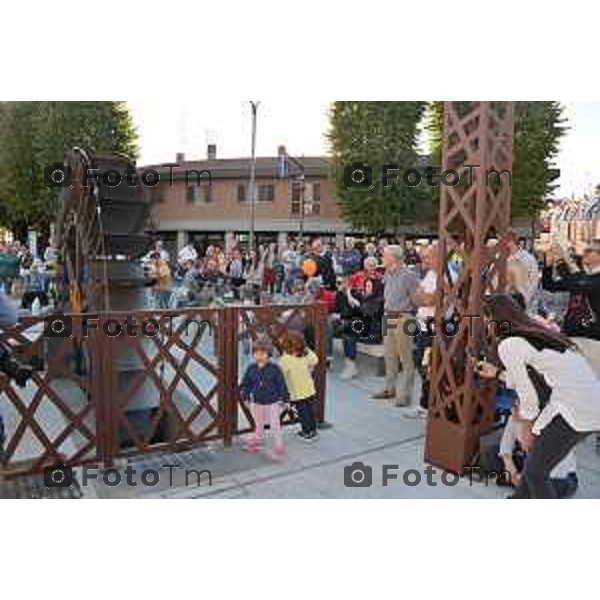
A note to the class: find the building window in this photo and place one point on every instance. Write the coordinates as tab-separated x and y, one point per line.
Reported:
241	192
316	198
207	195
266	192
296	196
198	194
316	192
313	208
296	191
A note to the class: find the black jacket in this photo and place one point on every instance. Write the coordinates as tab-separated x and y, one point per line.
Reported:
325	269
579	284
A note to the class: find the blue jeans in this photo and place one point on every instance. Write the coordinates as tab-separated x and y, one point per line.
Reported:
163	298
330	334
349	346
565	488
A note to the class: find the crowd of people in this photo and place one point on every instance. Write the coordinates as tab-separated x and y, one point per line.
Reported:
372	290
550	359
196	275
27	277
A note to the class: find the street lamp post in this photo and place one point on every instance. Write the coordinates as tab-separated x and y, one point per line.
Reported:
302	180
252	186
302	198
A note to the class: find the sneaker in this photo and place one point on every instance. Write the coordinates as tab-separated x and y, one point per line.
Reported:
402	401
416	413
350	371
385	395
252	446
308	436
279	453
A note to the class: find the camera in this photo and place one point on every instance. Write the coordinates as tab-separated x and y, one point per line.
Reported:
57	175
358	175
358	475
58	326
58	476
14	369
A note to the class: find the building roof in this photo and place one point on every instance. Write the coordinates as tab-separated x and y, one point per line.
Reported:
239	168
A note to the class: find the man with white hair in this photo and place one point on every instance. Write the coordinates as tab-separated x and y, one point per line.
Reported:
399	286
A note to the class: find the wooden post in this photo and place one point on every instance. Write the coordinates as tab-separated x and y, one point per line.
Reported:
477	145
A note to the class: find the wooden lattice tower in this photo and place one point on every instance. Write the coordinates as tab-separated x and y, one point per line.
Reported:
476	210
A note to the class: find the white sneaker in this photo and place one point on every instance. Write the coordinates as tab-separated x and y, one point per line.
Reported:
416	413
350	371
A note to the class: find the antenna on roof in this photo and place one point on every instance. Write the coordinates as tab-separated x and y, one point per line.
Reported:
183	124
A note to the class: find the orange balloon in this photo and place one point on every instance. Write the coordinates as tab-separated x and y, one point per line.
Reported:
309	267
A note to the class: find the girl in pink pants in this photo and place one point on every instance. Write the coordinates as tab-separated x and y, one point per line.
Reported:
263	387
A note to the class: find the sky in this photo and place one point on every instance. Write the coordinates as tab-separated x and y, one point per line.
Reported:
166	128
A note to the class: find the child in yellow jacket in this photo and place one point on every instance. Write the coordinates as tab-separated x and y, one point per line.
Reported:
297	363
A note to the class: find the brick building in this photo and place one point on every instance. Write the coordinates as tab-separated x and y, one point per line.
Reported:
195	211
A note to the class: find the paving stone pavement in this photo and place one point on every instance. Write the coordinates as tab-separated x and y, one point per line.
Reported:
365	430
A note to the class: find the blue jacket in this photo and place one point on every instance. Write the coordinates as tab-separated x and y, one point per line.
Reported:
264	386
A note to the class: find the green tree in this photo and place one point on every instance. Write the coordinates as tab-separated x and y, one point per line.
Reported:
435	128
538	128
377	133
34	135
